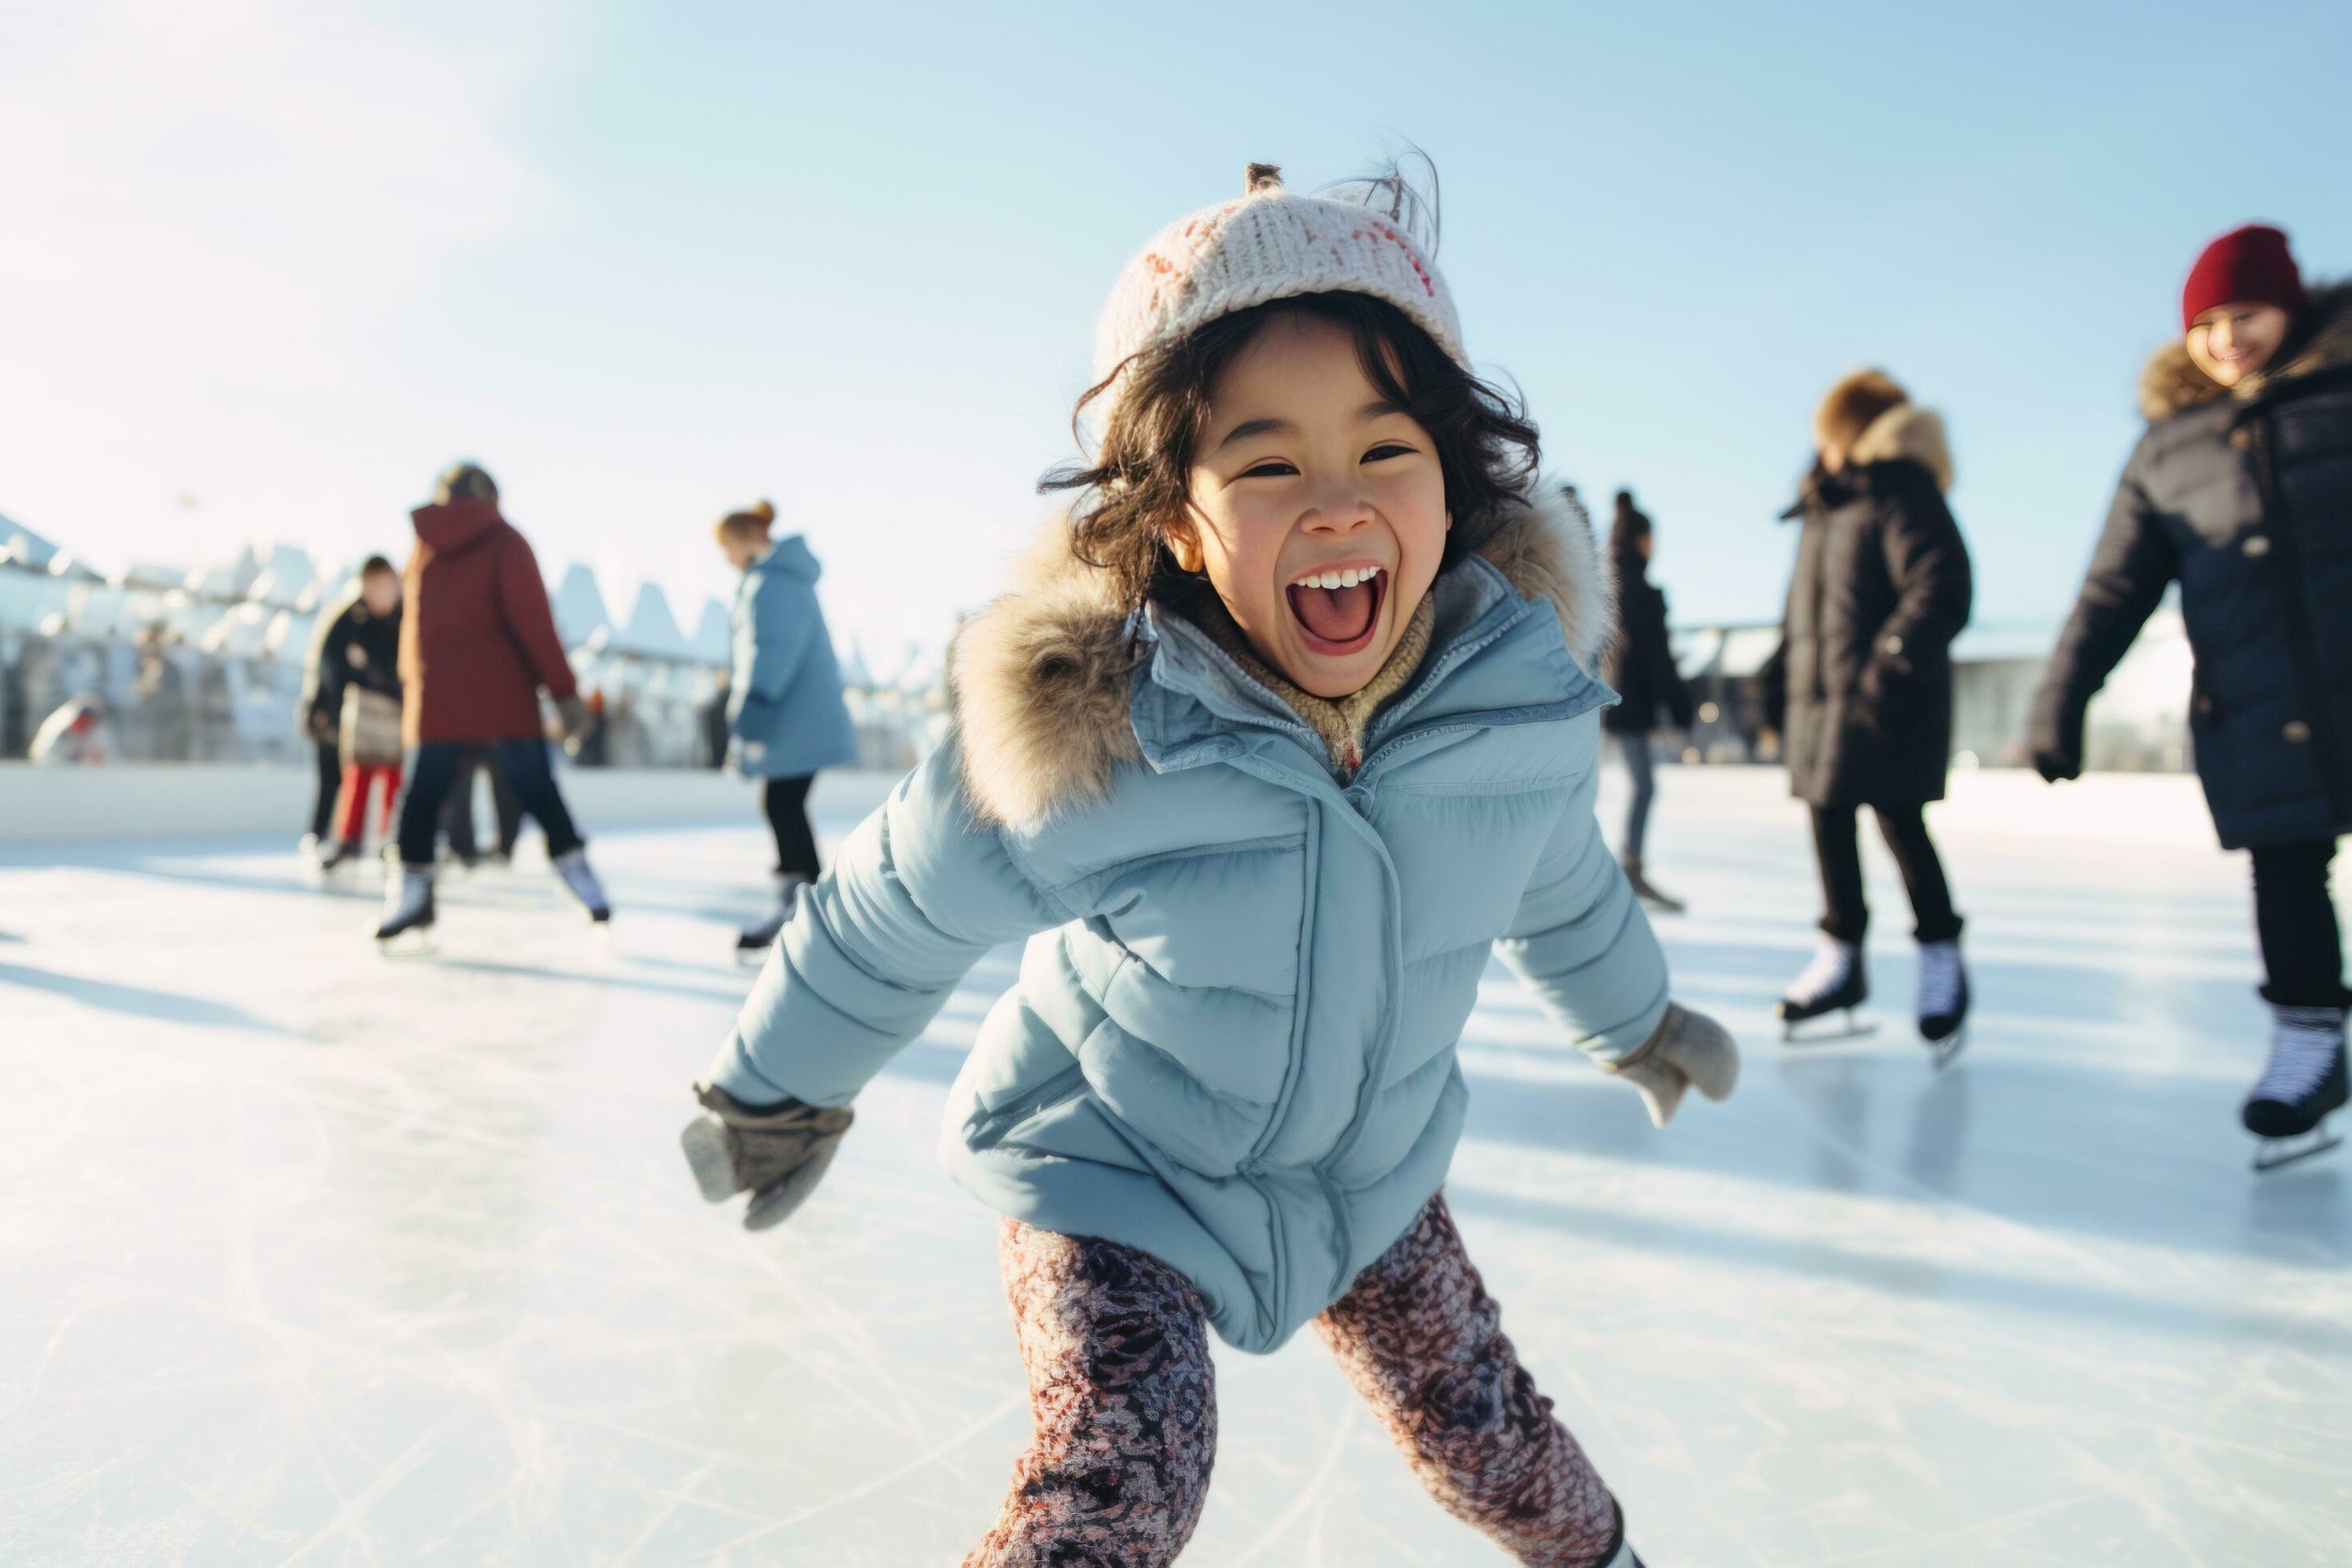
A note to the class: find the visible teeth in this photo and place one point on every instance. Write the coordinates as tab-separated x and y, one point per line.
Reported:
1348	579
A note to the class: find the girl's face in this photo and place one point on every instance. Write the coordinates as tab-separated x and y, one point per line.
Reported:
742	549
1318	508
2229	342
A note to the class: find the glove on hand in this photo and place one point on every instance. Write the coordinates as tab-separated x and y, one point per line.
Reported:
1686	1050
775	1152
574	714
748	758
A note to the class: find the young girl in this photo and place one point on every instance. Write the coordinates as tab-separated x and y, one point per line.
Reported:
1882	587
1276	737
2241	491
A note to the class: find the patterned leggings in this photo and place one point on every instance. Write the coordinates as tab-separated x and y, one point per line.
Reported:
1117	1347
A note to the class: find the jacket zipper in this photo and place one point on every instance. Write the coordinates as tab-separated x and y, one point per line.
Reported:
2304	648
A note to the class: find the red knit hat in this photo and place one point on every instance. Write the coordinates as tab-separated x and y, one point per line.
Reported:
2250	266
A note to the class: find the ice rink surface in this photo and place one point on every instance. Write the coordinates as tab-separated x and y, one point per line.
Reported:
310	1256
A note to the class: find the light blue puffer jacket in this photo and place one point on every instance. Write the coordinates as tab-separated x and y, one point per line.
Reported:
786	690
1233	1045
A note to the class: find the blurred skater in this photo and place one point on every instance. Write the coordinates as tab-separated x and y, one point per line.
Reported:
457	811
75	735
1882	587
477	645
2241	490
785	716
357	659
1642	668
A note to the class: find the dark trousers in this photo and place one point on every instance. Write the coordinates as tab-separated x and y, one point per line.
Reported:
457	814
1635	749
330	759
432	769
2302	947
785	803
1837	843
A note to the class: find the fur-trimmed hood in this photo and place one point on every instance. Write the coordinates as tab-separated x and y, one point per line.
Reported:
1907	431
2171	383
1040	678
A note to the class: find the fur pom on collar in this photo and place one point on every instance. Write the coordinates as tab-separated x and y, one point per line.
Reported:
1040	678
2171	382
1907	431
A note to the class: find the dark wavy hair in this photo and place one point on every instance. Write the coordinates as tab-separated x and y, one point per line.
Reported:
1140	478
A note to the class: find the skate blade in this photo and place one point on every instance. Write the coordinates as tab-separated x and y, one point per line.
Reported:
2273	1152
407	944
1949	1048
1853	1029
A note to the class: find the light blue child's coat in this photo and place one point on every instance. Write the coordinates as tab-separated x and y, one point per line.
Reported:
1233	1045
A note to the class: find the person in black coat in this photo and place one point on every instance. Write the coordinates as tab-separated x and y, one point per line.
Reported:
1882	587
1641	668
356	647
2241	491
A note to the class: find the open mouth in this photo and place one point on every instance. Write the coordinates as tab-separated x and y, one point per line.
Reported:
1338	609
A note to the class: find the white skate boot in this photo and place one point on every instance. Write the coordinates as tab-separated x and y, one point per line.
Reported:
1835	982
1943	999
573	867
2301	1085
407	925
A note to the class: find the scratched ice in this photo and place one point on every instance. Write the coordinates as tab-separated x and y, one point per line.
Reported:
312	1257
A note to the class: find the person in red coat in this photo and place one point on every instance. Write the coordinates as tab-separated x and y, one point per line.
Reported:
477	645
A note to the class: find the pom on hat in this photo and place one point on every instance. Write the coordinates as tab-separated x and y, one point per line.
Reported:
2249	266
1268	244
764	510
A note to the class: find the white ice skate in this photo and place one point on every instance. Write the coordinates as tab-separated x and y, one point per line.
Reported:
1943	1000
573	867
752	943
406	929
2301	1085
1835	982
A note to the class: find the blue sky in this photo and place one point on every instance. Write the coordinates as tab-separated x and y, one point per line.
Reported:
649	263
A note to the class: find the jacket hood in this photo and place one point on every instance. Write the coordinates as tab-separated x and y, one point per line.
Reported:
1907	431
789	555
1040	678
453	525
2171	383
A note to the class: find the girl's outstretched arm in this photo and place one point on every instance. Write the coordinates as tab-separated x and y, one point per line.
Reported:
1581	942
914	899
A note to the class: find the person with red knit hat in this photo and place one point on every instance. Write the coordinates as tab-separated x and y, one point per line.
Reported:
2241	492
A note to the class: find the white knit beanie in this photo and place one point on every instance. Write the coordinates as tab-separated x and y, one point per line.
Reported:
1269	244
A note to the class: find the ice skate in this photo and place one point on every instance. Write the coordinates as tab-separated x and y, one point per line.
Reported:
2301	1085
1649	895
338	855
1835	982
1943	1000
755	941
573	867
407	926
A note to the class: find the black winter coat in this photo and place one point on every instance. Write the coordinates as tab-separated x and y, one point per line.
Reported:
1641	668
2244	497
352	646
1880	588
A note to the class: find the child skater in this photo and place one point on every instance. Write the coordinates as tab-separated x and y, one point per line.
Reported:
2242	492
1283	730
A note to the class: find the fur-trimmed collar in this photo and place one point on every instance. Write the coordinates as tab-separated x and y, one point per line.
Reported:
1041	678
1906	430
2171	382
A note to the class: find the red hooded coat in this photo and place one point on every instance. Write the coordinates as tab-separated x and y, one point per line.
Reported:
478	638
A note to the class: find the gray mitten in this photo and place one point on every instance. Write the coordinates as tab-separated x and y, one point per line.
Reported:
775	1152
1688	1049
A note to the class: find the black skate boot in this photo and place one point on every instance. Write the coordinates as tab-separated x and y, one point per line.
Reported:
573	867
1646	894
1835	982
1943	999
407	925
756	939
2301	1086
339	855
